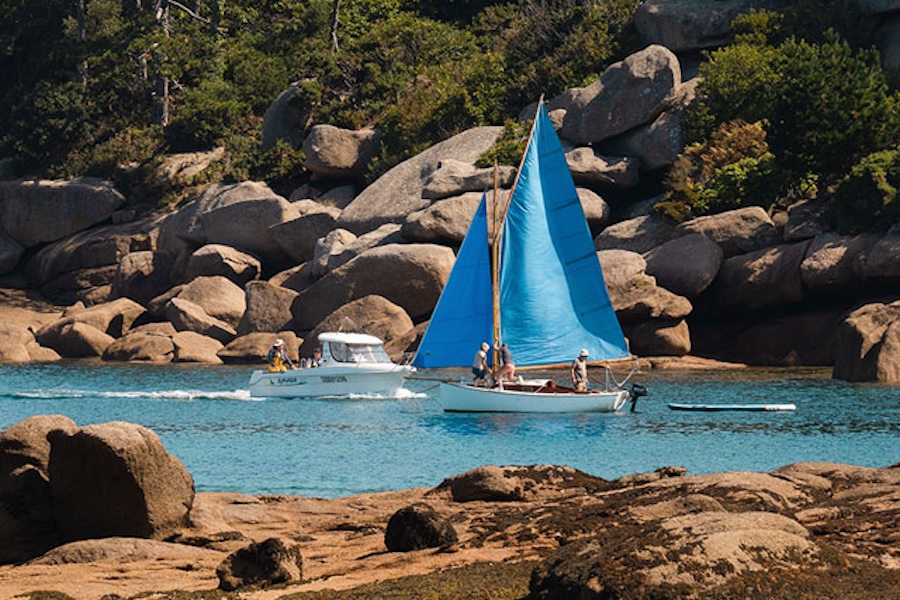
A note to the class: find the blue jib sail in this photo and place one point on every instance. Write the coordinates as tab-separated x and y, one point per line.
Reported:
463	317
553	299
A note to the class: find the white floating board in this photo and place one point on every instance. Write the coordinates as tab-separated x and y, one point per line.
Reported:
719	407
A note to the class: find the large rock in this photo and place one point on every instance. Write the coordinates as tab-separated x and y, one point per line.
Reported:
737	231
197	348
589	167
116	479
409	275
868	344
657	144
659	337
285	120
340	247
881	265
685	265
14	342
635	295
455	177
93	248
370	314
147	343
639	234
263	564
245	226
792	340
112	318
399	191
298	237
27	524
628	94
416	527
268	308
188	316
181	232
219	297
11	253
445	221
332	152
38	211
217	259
759	280
80	340
180	169
143	275
689	25
831	265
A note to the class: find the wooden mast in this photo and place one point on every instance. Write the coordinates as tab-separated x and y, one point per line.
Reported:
495	268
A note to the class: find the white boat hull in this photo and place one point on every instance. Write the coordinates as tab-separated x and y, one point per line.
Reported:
460	397
333	381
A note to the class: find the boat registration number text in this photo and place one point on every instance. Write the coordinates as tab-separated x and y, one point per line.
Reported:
334	379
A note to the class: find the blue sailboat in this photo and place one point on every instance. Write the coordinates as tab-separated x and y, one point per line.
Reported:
545	298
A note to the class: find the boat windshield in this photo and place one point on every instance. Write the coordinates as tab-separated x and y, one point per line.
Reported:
358	353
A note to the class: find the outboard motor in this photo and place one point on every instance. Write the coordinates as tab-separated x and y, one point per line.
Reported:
636	390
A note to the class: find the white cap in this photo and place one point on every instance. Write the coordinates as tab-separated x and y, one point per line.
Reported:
279	342
583	352
485	345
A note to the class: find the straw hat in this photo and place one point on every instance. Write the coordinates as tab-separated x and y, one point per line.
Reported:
279	342
485	346
583	352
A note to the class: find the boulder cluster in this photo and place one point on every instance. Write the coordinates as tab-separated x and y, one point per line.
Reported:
63	483
218	278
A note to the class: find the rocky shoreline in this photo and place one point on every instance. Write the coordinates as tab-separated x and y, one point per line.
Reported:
104	512
806	530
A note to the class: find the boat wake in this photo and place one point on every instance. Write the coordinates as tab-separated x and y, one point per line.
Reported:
176	395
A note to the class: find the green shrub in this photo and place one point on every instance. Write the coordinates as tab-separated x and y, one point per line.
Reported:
867	199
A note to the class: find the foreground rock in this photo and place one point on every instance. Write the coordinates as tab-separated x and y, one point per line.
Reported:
805	530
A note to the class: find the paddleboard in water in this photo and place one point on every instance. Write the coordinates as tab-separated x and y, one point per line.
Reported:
715	407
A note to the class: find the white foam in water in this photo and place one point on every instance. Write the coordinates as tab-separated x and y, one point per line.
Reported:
180	395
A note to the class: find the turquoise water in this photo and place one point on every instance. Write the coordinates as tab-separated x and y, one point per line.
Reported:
332	448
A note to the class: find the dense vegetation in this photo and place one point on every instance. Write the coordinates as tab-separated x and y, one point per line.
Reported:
796	107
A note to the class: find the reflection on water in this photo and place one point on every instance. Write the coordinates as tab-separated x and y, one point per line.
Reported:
333	448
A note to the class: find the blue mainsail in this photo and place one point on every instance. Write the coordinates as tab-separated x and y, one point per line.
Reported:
553	299
463	317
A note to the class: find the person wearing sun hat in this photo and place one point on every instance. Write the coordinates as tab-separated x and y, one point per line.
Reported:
278	357
579	371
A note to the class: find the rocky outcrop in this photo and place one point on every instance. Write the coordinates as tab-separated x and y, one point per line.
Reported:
684	26
219	260
111	319
628	94
409	275
27	524
399	191
116	479
38	211
868	344
374	315
263	564
332	152
416	527
445	221
268	308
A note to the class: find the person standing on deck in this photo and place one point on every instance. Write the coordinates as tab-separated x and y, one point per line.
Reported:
479	365
579	371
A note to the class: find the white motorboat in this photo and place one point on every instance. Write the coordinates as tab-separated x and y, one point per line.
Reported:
352	365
